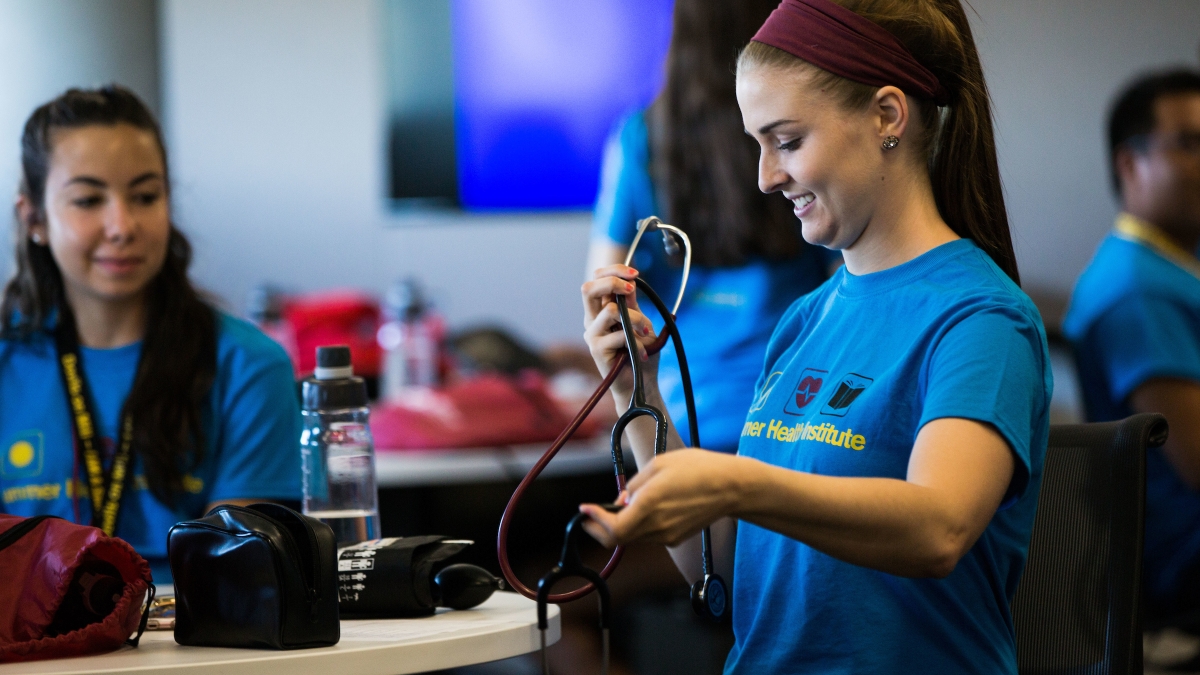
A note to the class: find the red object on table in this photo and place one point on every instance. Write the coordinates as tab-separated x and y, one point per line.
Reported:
482	412
38	570
334	318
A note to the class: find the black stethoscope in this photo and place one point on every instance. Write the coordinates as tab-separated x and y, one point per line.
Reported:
709	595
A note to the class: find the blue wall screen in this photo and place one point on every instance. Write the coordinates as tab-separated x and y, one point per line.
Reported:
538	86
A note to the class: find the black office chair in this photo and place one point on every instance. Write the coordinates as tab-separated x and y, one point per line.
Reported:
1077	609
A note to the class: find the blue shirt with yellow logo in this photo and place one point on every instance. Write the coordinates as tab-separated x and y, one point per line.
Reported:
728	314
853	372
252	428
1134	316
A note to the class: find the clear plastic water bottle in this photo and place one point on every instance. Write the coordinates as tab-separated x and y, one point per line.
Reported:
411	340
337	454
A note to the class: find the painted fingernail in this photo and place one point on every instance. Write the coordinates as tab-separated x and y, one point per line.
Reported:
628	288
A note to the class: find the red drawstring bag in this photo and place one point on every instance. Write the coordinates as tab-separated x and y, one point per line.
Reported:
69	590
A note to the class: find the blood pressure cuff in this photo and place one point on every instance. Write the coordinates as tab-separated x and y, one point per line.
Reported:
67	590
392	577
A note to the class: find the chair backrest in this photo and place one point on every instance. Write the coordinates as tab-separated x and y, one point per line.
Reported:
1077	607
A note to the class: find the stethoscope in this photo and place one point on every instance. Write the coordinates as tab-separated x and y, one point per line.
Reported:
709	595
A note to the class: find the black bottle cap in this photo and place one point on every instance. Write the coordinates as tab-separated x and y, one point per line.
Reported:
333	385
333	356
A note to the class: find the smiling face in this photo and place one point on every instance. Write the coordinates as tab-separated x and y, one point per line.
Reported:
105	214
823	157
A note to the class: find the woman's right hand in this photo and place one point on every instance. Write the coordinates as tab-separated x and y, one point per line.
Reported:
602	320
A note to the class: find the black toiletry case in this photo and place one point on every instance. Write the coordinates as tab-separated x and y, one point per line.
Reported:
262	577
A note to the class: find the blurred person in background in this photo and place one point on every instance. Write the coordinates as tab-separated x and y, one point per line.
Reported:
688	160
177	406
1134	318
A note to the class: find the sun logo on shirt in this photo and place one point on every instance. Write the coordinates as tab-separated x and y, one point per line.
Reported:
23	457
20	454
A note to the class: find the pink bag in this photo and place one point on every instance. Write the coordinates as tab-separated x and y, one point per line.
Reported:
69	591
485	411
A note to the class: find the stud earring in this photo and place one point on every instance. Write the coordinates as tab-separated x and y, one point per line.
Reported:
37	238
890	142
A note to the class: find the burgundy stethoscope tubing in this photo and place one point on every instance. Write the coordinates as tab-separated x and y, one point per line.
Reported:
506	519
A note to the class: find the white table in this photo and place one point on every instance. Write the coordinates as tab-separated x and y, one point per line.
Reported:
502	627
416	468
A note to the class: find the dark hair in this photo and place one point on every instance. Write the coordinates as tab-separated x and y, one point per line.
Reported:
703	164
1132	115
179	353
958	139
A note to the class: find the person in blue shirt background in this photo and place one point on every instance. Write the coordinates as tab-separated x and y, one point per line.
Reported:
687	160
1134	320
888	470
199	404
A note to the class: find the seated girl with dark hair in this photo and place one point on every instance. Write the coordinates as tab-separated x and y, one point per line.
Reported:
127	401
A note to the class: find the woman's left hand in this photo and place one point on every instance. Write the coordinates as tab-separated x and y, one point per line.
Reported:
670	500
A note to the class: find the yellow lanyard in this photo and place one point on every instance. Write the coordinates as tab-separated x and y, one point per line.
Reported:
1133	229
106	500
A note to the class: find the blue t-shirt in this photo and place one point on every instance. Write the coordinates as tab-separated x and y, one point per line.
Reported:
854	371
728	314
251	427
1135	315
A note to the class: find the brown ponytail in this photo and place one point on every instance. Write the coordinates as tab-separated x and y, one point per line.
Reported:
958	138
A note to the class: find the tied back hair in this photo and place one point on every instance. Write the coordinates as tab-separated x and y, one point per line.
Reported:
179	354
702	162
959	139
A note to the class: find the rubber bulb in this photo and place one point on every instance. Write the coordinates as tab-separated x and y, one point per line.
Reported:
465	586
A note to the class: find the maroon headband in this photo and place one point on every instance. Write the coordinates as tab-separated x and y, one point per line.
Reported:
836	39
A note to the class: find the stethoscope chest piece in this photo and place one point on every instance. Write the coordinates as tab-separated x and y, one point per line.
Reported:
710	598
571	565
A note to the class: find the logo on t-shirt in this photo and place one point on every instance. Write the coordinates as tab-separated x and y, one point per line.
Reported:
806	389
767	389
849	389
23	457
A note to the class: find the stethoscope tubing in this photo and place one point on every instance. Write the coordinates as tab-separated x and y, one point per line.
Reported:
506	518
637	408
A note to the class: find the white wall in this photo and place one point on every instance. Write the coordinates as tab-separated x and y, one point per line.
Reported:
1054	68
275	118
47	46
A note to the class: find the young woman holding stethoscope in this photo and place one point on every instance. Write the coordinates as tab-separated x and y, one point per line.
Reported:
888	470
